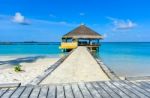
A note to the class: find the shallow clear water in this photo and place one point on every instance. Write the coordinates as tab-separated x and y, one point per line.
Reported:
30	49
125	59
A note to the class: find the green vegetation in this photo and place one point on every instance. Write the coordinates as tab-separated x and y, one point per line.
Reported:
17	68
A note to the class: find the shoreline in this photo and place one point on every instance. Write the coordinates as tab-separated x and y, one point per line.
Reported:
30	71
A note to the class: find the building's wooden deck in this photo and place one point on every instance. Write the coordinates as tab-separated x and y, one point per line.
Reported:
111	89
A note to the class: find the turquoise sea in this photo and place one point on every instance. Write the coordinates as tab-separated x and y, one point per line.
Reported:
125	59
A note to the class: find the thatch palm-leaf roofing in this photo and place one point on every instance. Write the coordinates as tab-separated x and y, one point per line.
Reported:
83	32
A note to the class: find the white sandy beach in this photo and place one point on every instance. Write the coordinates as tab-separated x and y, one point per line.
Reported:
30	71
78	67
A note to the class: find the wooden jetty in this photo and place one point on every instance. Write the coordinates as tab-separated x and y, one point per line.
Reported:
79	66
105	89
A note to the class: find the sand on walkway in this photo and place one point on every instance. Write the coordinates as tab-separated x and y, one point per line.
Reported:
30	71
80	66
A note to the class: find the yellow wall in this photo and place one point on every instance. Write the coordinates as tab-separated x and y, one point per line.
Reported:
68	45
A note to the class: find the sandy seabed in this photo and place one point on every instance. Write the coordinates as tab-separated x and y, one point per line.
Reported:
30	71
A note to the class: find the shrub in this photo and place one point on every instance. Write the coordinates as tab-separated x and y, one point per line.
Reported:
17	68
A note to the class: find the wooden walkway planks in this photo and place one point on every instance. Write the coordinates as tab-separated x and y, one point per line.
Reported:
105	89
9	85
101	91
132	89
126	91
60	92
117	90
8	93
2	91
93	91
35	93
43	92
144	85
138	88
84	91
68	91
26	92
110	91
51	92
76	91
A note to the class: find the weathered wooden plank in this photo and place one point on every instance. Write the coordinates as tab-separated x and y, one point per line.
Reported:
68	91
147	82
93	91
8	93
127	86
115	89
26	93
2	91
9	85
143	91
60	92
18	92
107	89
84	90
35	92
76	91
143	86
137	78
51	92
111	92
128	92
100	90
43	92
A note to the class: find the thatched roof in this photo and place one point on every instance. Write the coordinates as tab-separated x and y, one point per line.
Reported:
83	32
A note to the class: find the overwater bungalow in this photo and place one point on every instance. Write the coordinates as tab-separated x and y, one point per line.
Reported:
81	36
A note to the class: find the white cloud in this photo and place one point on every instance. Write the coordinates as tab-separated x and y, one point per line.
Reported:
82	14
19	18
121	24
61	23
105	35
53	16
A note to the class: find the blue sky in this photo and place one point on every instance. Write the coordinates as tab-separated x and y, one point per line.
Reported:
48	20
